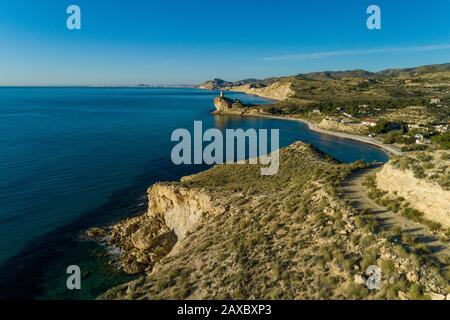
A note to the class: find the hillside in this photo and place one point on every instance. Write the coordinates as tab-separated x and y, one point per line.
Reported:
246	236
423	180
380	91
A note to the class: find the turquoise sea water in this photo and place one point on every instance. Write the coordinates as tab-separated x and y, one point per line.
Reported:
71	158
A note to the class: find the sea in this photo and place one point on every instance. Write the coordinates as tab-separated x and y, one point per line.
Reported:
73	158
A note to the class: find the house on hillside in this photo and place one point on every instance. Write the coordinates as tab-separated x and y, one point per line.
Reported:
435	101
369	122
413	126
442	128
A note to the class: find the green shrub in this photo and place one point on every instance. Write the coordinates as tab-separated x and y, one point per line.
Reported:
356	292
443	140
416	293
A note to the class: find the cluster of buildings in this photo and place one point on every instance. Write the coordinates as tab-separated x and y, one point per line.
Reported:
422	131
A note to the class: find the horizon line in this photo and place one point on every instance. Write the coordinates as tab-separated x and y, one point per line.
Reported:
197	85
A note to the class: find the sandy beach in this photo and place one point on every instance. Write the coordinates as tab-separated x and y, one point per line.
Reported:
390	150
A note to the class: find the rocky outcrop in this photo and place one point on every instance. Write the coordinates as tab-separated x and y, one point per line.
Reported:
280	237
227	106
223	104
423	195
144	240
180	207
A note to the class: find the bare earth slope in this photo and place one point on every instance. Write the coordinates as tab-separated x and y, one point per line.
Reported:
422	179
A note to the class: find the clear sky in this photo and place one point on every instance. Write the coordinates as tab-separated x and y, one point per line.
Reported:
129	42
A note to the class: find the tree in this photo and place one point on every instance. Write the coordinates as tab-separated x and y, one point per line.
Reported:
443	140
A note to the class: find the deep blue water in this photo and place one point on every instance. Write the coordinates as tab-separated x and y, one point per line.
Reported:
75	157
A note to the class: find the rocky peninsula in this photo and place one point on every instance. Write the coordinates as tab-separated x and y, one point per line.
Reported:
230	233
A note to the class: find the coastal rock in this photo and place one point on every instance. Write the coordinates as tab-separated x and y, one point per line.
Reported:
133	267
95	233
223	104
180	208
144	240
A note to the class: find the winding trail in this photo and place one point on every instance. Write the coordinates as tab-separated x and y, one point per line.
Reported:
354	191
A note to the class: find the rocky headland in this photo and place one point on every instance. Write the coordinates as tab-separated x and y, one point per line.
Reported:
230	233
225	105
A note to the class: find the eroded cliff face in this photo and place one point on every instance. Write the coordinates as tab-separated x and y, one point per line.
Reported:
275	91
180	208
423	195
223	104
227	106
141	242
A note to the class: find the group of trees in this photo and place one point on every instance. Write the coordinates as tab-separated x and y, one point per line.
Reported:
384	126
443	140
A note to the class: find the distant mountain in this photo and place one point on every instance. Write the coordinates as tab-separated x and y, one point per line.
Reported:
391	88
441	69
336	75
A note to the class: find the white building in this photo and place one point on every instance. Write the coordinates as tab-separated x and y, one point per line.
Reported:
435	101
369	122
442	128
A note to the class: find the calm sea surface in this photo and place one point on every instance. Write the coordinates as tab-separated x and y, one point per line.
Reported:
71	158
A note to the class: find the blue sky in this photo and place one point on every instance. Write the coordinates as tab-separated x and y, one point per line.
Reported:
187	42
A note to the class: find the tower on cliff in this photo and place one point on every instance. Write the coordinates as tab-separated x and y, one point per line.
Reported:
222	94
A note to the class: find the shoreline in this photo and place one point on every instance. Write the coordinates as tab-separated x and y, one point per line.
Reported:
389	150
311	127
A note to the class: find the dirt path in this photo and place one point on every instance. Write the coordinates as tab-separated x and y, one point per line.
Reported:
355	192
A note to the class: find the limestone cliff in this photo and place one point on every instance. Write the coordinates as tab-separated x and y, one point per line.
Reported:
225	105
422	194
180	207
275	91
144	240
